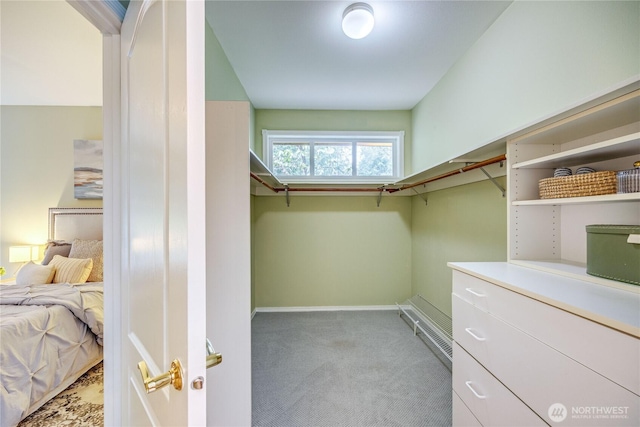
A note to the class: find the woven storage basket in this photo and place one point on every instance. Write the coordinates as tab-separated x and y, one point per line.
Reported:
586	184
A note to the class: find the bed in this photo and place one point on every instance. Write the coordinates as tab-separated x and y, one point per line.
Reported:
51	333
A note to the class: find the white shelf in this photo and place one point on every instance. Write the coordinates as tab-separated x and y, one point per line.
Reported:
610	111
257	167
607	198
623	146
604	132
574	270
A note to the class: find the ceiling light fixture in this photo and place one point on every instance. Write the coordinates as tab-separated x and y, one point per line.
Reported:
357	20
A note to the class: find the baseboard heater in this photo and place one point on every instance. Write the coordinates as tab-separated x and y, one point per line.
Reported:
429	321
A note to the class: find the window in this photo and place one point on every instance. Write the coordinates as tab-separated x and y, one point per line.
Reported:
306	156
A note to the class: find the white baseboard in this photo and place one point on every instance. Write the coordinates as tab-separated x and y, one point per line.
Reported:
253	313
324	308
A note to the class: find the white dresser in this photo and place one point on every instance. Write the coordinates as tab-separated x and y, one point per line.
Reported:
535	348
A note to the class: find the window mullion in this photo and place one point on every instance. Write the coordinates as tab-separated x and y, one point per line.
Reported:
312	158
354	158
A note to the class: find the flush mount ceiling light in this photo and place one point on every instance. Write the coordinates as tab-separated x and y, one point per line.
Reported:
357	20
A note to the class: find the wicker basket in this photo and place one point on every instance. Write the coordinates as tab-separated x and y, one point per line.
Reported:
586	184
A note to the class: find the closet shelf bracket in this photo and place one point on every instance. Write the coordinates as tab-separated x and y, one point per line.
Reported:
426	201
493	180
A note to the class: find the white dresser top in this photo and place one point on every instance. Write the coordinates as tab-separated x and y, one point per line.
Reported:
615	308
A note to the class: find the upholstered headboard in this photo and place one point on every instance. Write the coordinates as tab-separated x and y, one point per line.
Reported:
75	223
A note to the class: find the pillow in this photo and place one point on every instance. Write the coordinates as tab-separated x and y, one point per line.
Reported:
35	274
71	270
89	249
55	248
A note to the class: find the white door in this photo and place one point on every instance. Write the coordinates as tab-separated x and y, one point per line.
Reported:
163	212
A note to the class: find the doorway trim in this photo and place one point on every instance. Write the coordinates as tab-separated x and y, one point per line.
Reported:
107	16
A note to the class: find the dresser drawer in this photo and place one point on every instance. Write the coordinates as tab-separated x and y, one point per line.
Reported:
607	351
535	372
472	290
462	416
491	402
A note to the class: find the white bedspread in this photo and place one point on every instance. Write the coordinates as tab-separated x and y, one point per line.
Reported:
49	336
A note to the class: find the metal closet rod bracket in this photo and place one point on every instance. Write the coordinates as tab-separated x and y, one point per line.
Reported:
382	189
286	194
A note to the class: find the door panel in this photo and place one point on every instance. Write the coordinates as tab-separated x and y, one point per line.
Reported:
163	208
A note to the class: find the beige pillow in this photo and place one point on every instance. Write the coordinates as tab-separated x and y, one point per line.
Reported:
71	270
35	274
89	249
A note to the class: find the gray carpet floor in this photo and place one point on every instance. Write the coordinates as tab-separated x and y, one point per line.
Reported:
335	369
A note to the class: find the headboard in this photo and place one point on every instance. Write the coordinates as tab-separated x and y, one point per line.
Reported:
75	223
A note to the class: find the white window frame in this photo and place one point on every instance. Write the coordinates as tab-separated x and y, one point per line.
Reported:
269	137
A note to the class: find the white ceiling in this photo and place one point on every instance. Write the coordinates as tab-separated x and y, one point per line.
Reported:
293	54
287	54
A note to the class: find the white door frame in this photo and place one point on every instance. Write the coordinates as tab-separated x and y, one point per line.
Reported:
106	16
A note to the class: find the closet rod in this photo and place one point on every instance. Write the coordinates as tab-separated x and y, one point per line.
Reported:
281	189
377	190
261	181
497	159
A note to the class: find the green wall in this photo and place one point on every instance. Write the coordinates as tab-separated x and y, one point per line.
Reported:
253	254
36	168
344	251
329	251
329	120
221	81
332	251
536	59
465	223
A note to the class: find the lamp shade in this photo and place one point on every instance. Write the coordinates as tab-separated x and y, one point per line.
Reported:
357	20
23	253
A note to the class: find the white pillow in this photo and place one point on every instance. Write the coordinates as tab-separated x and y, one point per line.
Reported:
71	270
35	274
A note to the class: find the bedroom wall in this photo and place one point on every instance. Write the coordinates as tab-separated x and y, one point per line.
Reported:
332	251
51	55
536	59
464	223
36	168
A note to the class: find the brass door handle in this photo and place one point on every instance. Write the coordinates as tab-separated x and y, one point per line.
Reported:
213	358
174	377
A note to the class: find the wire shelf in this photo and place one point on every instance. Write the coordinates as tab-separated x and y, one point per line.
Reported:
430	321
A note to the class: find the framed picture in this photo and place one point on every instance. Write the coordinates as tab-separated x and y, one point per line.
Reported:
87	168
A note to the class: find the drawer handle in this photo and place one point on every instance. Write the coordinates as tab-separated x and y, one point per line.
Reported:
470	332
472	292
476	394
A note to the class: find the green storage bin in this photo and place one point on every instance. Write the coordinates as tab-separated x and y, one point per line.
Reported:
612	254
